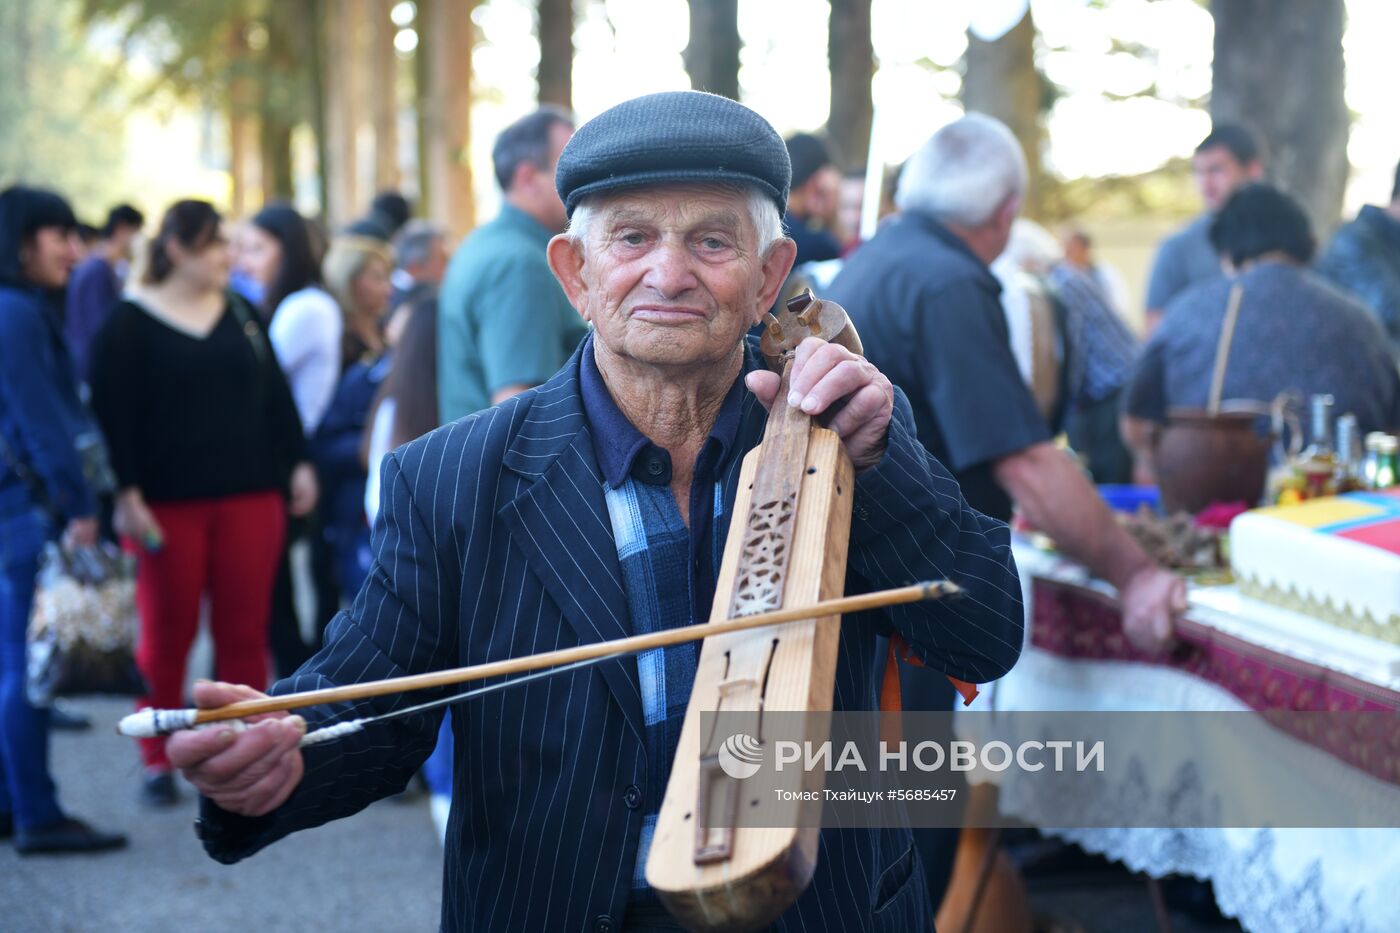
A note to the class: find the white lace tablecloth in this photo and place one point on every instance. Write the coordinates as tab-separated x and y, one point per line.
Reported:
1270	880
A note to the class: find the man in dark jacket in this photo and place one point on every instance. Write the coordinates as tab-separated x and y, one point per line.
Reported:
1364	259
594	507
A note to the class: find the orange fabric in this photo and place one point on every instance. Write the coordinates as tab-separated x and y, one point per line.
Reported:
890	701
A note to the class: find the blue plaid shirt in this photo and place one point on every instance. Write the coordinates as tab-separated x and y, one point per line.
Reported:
668	570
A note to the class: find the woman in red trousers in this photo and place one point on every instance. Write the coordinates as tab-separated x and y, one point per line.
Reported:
207	445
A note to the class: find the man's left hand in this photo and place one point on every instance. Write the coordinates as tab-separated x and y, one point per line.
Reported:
827	379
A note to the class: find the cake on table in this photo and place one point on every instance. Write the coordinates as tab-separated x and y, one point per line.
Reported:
1335	558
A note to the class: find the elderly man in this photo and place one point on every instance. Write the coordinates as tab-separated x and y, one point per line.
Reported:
923	296
586	509
925	302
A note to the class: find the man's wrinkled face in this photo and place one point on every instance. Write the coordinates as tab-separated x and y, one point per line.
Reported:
1218	173
672	276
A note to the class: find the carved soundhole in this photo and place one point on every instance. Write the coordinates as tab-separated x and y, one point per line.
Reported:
763	563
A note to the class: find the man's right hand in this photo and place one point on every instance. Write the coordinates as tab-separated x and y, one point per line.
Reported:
249	772
1153	601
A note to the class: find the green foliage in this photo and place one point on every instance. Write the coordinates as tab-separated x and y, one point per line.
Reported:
205	50
61	118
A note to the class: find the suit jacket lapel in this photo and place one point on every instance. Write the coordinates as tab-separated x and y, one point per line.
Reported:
560	522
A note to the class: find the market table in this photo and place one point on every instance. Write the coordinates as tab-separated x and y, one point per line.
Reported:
1235	654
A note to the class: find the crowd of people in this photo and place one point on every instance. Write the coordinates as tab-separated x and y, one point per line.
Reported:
233	372
248	377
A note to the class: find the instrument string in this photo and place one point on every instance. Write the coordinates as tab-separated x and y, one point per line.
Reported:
350	727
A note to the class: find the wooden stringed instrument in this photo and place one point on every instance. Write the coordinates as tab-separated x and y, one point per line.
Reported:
786	548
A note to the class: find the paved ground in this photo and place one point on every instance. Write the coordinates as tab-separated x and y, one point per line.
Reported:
379	871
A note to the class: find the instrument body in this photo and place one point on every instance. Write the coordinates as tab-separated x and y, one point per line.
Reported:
786	548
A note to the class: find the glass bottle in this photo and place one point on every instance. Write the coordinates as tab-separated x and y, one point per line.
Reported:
1318	462
1347	476
1382	467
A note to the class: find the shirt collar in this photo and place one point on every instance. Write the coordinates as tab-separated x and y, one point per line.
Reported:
624	451
523	222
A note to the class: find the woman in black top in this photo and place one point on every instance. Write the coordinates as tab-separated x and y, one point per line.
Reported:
202	430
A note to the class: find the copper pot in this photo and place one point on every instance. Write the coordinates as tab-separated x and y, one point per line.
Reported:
1203	458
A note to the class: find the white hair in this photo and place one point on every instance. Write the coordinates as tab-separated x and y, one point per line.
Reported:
964	173
763	212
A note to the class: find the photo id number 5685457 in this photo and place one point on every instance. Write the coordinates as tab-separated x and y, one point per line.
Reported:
942	795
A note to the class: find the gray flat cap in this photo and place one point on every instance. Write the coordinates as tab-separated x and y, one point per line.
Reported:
676	136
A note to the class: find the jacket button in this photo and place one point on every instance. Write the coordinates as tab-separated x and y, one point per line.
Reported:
655	467
632	796
604	924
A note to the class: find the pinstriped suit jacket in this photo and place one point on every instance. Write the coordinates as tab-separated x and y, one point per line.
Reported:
494	542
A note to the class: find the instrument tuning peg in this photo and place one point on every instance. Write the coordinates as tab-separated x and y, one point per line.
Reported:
775	329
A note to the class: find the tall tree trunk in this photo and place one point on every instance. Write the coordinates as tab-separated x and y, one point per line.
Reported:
448	36
384	89
276	146
23	43
242	105
276	112
712	56
310	17
343	66
1000	80
1278	70
852	58
556	71
422	102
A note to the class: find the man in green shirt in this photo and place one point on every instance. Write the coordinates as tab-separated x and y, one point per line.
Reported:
504	324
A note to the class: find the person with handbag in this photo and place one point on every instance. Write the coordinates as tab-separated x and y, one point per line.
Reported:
42	489
200	421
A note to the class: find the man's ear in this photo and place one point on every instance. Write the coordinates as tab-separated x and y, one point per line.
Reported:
1006	214
523	176
776	266
566	262
1254	170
